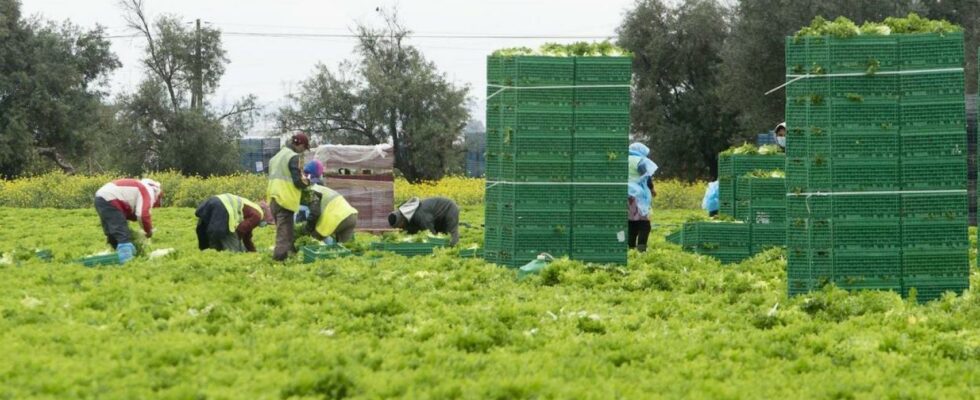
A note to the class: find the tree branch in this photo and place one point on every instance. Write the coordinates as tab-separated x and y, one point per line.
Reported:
238	110
140	24
52	154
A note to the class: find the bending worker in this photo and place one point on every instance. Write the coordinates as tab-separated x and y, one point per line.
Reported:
435	214
122	200
331	219
286	182
226	222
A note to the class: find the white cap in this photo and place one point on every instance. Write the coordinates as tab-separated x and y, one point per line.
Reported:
152	184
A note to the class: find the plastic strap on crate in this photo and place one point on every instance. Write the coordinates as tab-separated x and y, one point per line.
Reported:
797	77
868	193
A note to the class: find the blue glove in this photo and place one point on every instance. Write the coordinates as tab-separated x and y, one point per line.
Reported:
302	214
125	252
329	241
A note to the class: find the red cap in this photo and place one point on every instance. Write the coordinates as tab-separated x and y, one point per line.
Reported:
301	139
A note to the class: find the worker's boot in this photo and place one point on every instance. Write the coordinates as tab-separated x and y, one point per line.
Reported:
641	248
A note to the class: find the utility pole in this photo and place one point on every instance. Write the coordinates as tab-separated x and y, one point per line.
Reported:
197	98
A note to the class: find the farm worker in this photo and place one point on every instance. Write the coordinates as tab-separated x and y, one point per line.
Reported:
122	200
710	203
640	193
435	214
332	219
780	132
226	222
286	183
313	171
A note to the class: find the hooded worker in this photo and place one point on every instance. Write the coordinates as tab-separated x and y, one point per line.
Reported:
435	214
286	182
226	222
640	191
332	219
780	133
711	202
314	172
126	200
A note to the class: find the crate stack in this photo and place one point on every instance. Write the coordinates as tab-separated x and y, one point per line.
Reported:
255	153
761	203
556	162
733	166
876	164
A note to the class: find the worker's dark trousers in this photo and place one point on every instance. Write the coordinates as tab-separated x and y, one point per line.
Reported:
639	233
114	223
284	232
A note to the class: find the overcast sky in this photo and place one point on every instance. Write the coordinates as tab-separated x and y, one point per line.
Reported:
270	67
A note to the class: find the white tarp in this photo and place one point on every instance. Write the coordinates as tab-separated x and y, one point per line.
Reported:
378	157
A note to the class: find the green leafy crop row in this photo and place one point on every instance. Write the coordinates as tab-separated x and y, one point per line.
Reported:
670	325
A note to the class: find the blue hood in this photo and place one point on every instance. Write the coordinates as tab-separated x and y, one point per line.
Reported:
639	150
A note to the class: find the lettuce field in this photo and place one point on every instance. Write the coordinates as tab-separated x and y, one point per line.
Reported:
208	325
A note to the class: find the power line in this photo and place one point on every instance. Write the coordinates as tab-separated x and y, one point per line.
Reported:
289	35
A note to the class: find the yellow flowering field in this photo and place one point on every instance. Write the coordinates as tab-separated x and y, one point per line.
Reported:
56	190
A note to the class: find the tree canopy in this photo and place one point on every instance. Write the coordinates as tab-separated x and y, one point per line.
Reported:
50	95
389	92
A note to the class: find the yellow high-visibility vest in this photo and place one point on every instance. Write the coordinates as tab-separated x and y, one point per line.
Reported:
281	187
233	204
334	208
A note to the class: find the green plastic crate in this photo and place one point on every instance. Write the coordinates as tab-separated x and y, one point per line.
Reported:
104	259
934	173
407	249
950	144
603	99
930	51
324	252
603	70
933	288
948	115
925	262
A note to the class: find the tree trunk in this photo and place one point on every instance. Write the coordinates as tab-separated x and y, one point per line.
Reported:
52	154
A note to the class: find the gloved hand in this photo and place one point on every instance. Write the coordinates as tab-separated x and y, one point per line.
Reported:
149	234
329	241
126	251
302	214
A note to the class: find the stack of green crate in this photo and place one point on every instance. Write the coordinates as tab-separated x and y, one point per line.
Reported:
732	166
876	163
600	144
761	203
556	160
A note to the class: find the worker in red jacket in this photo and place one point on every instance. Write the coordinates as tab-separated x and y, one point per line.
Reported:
122	200
226	222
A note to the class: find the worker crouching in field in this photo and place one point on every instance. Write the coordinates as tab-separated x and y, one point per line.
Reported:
286	182
436	215
122	200
226	222
331	219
